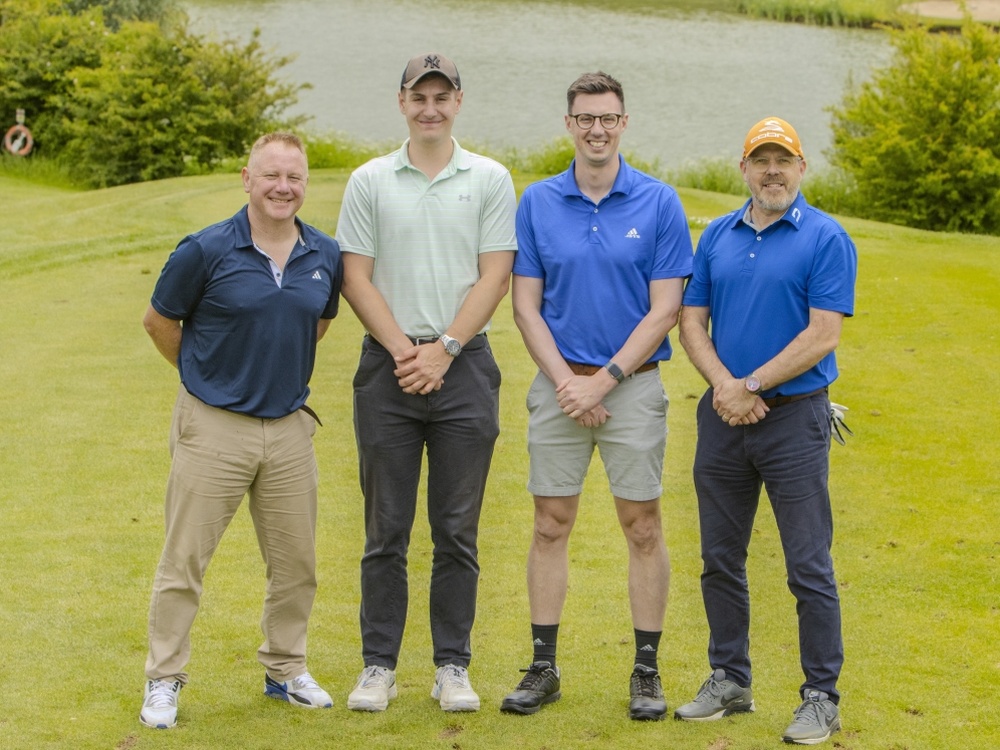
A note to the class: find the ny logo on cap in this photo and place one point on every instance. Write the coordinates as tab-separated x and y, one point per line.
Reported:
432	61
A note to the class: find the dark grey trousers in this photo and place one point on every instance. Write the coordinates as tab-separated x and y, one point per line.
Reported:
458	426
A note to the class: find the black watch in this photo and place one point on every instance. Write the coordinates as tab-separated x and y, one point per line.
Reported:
615	371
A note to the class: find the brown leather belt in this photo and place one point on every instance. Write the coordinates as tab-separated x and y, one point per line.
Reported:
782	400
591	369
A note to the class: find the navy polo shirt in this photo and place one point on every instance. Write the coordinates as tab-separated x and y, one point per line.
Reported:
248	345
759	287
597	260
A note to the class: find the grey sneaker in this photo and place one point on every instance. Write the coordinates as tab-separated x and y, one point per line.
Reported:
815	720
646	700
376	686
453	690
717	697
159	703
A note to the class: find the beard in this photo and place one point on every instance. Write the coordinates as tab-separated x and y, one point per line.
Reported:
775	204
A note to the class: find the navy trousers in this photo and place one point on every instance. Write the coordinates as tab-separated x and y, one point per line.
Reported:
788	453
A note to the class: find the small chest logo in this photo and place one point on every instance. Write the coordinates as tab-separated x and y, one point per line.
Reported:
632	234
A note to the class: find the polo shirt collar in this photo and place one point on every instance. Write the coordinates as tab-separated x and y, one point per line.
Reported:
459	159
794	216
244	240
623	180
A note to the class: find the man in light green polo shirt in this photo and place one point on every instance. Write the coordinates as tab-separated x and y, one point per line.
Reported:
427	236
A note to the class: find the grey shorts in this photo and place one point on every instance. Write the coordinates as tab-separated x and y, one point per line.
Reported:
632	442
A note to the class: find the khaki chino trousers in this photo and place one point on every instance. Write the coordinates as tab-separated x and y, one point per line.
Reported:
218	458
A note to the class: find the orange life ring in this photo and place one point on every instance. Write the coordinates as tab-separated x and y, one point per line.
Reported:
18	140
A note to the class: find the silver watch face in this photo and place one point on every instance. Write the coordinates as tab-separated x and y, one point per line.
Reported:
451	345
752	384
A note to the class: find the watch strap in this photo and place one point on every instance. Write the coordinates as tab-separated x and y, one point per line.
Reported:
615	371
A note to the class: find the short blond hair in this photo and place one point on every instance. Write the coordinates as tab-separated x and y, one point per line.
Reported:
289	139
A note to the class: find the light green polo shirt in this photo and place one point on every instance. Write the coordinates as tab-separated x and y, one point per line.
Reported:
426	235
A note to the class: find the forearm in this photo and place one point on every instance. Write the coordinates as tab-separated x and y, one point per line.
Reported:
819	338
482	300
644	340
374	313
165	334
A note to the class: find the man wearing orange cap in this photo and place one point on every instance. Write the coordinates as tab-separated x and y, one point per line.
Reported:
762	316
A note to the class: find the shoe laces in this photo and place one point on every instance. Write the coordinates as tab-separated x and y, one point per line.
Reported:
161	694
454	676
810	712
533	675
710	689
645	684
305	682
373	676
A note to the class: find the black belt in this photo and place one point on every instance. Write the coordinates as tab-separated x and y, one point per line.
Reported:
308	410
782	400
476	342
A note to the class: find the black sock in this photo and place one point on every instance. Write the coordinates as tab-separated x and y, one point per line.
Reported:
646	645
543	638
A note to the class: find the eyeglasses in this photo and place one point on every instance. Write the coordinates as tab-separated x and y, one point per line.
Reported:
762	163
608	120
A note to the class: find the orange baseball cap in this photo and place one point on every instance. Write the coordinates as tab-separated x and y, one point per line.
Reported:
772	130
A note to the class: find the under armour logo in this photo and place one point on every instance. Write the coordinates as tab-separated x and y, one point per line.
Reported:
465	197
432	61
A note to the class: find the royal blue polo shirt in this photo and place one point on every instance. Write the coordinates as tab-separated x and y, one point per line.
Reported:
597	260
759	287
247	344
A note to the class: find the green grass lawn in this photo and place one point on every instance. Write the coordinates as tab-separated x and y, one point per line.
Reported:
83	461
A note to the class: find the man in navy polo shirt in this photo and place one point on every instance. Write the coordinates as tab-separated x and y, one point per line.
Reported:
238	310
762	317
603	251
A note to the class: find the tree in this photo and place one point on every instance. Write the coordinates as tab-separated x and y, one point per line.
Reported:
156	104
921	139
145	101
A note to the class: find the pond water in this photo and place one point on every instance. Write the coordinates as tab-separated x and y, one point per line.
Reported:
694	81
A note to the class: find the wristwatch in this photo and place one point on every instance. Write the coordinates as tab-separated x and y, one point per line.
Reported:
451	345
615	371
752	383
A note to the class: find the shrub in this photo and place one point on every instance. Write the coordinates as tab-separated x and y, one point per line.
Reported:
716	175
921	139
144	102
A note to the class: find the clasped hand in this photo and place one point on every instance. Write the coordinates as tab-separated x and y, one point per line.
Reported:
736	405
579	396
421	369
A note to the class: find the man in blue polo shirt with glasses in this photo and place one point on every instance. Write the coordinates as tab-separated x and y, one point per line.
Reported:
238	310
602	254
772	284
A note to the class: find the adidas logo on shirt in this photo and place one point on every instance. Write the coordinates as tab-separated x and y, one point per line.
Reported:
316	275
632	234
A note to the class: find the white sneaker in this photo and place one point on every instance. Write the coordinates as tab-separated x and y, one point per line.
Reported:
300	691
159	704
376	686
452	689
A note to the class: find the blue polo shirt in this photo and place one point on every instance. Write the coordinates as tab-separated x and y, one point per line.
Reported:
597	260
248	345
759	287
